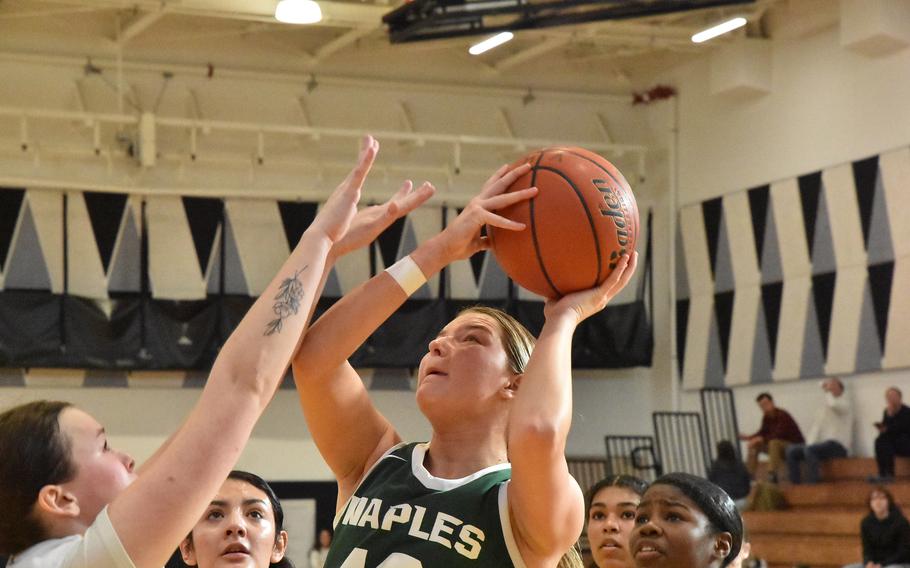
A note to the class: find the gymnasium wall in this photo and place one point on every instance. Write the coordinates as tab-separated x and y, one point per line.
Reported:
829	109
141	410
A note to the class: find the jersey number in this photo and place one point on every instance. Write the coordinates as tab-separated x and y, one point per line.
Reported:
358	559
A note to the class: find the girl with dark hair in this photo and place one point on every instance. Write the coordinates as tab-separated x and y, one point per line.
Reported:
68	499
885	532
242	526
730	473
684	521
611	504
491	488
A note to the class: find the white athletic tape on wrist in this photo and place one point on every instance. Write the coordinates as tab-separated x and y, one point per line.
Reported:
407	274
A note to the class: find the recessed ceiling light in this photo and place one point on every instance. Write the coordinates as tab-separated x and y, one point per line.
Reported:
298	12
719	29
490	43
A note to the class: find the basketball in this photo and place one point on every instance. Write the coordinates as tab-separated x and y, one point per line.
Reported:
583	218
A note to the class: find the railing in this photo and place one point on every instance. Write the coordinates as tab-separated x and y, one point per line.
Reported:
681	442
719	411
632	455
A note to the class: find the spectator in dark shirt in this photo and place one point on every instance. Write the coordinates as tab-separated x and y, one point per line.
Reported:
778	430
885	532
894	434
729	473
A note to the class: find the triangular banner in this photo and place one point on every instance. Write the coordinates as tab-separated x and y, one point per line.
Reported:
865	175
809	189
879	245
771	266
682	323
124	273
682	268
714	364
880	278
812	362
758	208
823	294
822	249
762	362
26	266
723	312
771	297
723	267
712	210
105	211
10	206
869	347
296	217
389	243
204	216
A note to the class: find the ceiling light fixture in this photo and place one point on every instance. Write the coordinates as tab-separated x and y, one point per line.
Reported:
719	29
298	12
490	43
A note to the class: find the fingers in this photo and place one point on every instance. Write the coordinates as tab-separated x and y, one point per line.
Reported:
492	219
497	174
369	148
506	199
416	198
499	182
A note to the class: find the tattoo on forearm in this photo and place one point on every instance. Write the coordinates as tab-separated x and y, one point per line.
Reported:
287	301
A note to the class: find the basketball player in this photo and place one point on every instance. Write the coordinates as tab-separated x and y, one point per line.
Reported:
68	499
455	501
685	521
242	526
611	505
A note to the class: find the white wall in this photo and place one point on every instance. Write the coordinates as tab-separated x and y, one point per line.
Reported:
138	420
828	106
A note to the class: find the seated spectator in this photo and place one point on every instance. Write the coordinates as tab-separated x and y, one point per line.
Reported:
885	532
831	435
894	434
778	430
729	473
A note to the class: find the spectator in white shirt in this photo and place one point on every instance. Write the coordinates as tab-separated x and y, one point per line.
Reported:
831	435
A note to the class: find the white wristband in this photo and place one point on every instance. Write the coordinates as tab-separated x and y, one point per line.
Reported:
407	274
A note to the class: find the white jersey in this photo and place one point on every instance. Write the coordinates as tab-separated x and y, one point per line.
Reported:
99	547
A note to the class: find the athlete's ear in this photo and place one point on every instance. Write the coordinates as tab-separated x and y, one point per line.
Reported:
280	548
188	552
55	501
723	544
511	387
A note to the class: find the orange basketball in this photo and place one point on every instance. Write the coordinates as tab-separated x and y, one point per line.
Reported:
583	218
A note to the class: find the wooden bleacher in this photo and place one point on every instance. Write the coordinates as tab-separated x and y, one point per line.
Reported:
821	527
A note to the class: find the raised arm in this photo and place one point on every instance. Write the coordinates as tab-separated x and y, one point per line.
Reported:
163	504
539	424
330	391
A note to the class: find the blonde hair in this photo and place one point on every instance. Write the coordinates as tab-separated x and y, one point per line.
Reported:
571	559
516	339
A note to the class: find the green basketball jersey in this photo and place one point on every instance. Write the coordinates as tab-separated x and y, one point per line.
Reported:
402	517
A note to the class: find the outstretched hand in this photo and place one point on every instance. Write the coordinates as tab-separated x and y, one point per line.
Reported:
582	305
462	238
371	221
336	215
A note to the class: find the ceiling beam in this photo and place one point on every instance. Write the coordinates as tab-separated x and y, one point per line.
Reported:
340	42
541	48
343	14
139	24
